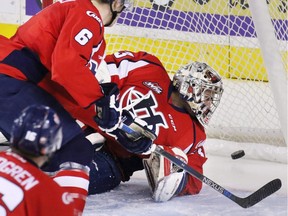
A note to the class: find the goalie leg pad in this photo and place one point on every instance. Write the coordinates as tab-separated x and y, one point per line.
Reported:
169	187
165	179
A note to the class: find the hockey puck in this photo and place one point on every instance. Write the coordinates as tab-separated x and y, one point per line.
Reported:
237	154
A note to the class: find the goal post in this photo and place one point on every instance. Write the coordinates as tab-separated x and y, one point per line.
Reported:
223	34
272	58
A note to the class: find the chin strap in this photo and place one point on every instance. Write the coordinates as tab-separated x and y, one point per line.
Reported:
114	15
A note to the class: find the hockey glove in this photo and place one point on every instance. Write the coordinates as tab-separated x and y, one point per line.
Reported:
133	134
166	180
108	115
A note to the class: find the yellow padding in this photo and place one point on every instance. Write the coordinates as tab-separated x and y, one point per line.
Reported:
8	29
230	62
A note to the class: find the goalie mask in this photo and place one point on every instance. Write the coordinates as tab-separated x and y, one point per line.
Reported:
201	87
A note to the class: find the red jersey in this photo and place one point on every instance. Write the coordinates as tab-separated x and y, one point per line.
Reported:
145	86
26	190
59	49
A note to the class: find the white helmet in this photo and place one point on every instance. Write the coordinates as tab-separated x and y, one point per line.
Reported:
201	87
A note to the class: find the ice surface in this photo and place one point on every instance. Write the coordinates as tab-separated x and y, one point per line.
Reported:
241	177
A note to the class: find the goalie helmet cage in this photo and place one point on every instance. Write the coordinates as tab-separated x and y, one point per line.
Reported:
223	34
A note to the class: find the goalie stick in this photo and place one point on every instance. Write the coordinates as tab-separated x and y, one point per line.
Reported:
246	202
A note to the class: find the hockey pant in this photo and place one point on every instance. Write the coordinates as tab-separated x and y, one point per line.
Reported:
15	95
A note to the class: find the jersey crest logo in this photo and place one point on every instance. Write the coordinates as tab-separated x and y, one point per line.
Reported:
144	107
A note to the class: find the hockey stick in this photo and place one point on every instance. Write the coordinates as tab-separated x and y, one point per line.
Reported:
5	143
246	202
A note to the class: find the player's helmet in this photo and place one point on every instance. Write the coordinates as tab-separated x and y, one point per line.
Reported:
37	131
201	87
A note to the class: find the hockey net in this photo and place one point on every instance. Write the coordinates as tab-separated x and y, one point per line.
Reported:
222	34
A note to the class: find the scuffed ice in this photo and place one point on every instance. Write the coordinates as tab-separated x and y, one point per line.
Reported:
133	198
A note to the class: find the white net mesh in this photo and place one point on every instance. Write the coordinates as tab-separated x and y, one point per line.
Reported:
220	33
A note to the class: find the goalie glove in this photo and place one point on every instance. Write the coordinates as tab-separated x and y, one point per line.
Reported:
108	115
133	134
166	180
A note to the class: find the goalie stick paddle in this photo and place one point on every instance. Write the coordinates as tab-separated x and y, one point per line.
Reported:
246	202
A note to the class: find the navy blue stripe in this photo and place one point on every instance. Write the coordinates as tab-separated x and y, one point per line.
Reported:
281	27
197	22
28	63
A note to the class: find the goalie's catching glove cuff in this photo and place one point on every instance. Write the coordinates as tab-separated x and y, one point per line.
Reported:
133	134
108	115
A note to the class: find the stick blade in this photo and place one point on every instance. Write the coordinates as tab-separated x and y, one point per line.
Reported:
265	191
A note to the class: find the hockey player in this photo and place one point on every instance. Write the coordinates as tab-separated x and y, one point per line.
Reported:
177	111
56	54
24	188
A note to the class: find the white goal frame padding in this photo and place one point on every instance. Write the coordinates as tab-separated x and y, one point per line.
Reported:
272	58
